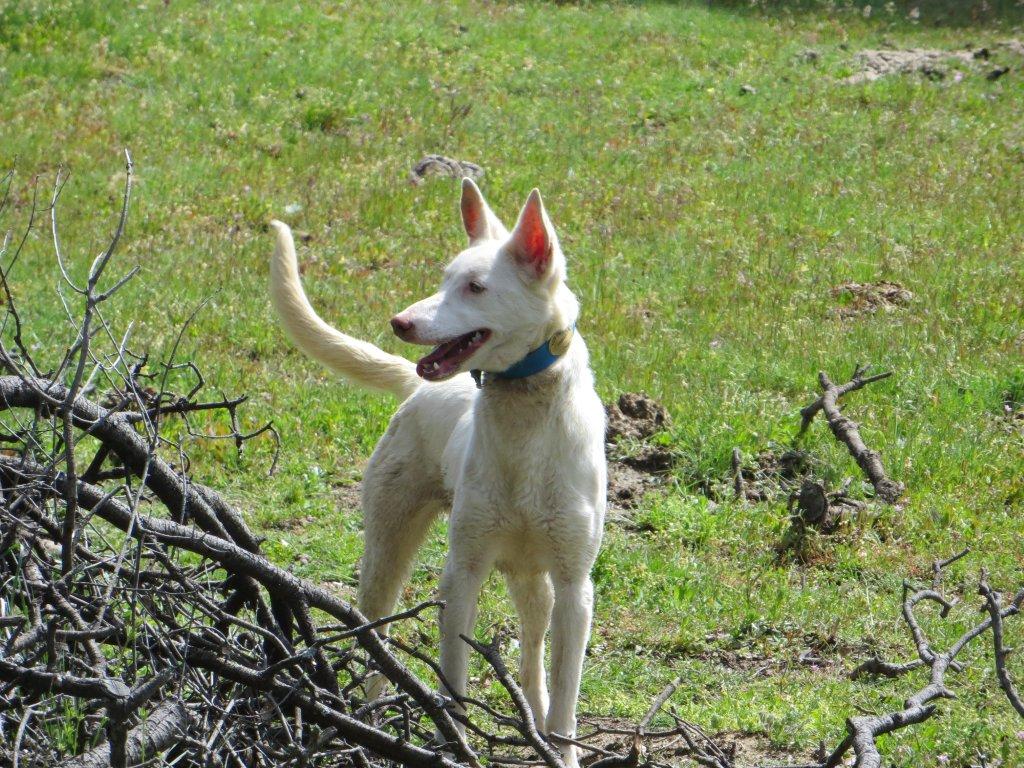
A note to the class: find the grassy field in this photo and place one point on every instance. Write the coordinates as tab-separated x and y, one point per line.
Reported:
705	224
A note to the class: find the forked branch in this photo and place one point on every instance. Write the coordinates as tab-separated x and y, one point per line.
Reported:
848	432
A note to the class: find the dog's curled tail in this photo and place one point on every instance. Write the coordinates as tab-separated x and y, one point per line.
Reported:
359	361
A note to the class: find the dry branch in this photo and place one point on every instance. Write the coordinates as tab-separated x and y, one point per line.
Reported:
529	729
864	730
847	431
168	723
996	615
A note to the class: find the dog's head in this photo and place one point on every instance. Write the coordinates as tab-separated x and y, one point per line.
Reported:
500	298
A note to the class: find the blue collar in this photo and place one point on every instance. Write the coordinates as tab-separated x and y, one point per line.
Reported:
535	362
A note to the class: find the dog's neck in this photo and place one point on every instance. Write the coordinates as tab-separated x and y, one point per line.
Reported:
550	383
535	362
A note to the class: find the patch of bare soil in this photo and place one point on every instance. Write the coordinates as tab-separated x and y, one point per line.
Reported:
772	656
934	64
635	464
868	298
756	749
349	496
292	524
1015	47
627	486
760	664
774	474
744	750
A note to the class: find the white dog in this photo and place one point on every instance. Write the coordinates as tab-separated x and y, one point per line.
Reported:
516	449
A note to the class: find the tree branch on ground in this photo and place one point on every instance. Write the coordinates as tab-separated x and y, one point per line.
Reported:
847	432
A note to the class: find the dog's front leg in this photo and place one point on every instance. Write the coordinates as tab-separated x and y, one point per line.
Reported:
570	629
532	595
459	589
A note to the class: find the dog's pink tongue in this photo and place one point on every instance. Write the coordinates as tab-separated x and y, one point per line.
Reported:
430	373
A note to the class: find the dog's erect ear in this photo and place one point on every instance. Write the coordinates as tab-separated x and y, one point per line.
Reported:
478	218
532	243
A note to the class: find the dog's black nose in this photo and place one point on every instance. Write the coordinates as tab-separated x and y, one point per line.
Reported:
401	326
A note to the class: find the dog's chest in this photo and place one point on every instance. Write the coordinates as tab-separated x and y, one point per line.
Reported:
535	462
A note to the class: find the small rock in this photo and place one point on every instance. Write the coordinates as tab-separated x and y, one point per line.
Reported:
747	90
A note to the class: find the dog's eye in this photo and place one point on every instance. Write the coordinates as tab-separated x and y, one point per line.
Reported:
475	287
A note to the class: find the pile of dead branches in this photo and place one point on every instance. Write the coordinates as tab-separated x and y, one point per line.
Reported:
141	625
139	621
137	615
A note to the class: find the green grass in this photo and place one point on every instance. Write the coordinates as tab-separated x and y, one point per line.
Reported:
704	229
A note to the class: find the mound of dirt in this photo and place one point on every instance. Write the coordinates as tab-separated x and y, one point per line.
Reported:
635	466
868	298
934	64
635	417
930	63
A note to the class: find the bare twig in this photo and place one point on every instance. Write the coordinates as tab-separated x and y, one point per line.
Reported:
996	615
529	728
865	729
658	703
739	489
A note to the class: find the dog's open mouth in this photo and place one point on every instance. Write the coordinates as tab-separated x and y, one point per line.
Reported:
447	356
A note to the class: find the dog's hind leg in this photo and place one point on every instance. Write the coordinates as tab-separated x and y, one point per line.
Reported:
402	495
394	530
533	598
399	505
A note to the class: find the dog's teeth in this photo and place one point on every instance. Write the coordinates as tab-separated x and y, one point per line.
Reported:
436	366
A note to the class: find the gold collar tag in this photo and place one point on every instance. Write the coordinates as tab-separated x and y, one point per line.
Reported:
559	343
